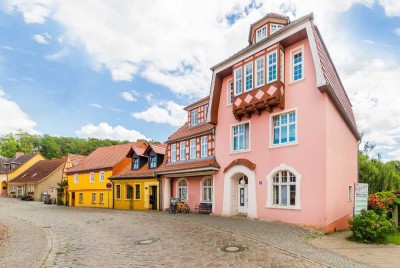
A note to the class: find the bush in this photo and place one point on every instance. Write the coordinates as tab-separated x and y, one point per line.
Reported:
60	202
370	227
383	202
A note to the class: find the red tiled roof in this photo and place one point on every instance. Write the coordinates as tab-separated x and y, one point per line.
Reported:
159	148
39	171
143	172
197	102
106	157
186	132
187	165
332	78
75	158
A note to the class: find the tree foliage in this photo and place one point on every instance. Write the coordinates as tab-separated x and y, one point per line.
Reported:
51	146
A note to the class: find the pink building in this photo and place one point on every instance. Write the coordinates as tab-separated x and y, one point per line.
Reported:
286	140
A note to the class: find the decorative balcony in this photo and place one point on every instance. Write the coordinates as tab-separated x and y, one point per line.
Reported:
259	99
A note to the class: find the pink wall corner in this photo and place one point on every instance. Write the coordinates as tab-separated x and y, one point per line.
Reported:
342	158
194	191
307	157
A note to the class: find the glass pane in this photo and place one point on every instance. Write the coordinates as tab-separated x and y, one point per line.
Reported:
292	132
235	143
284	176
276	178
284	195
284	134
241	197
292	117
276	136
292	195
276	195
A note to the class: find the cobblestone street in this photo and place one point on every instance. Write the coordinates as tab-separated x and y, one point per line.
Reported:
51	236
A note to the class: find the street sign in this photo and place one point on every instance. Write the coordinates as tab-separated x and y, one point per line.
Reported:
108	185
360	197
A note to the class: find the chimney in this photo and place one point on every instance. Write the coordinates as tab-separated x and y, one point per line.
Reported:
18	154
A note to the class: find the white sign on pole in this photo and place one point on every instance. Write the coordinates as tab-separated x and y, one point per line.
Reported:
360	197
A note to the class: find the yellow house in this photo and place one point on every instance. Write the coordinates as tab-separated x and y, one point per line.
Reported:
13	167
136	187
72	160
88	181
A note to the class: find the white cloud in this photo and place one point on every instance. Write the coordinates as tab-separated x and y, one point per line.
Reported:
105	131
367	41
34	11
42	38
167	112
95	105
392	7
397	31
14	117
58	55
128	96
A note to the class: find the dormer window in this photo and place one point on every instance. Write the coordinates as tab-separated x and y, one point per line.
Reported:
153	161
194	117
274	27
135	163
261	33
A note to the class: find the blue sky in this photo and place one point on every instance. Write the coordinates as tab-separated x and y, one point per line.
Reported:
126	70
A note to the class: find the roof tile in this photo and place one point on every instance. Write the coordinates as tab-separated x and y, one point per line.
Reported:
39	171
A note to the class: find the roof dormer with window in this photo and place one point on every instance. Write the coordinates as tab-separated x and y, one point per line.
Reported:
266	26
197	112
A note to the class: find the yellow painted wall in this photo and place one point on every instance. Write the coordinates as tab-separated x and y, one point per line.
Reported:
87	188
133	203
15	173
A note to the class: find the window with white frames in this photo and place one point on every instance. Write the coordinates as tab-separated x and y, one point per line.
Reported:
205	113
350	193
284	189
153	161
80	197
272	68
194	117
282	67
230	92
284	128
204	146
284	131
207	188
135	164
297	64
91	177
260	63
102	198
118	191
31	188
238	81
93	197
241	137
183	190
101	176
76	178
249	76
173	152
192	151
261	33
182	151
274	27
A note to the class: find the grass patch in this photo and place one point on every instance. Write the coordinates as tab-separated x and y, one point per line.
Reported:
393	239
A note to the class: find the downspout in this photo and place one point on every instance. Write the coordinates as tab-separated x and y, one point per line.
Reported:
160	191
112	194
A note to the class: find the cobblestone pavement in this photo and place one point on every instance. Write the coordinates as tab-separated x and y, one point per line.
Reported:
84	237
375	255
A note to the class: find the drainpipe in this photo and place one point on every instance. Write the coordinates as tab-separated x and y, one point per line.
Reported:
160	191
112	182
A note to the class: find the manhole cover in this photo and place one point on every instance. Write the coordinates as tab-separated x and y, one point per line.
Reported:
147	241
232	249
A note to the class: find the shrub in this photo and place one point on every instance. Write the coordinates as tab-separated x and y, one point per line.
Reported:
383	202
370	227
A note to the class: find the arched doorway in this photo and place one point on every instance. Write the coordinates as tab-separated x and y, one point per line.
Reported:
3	189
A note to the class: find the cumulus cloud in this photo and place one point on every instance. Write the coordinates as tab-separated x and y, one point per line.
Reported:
105	131
34	11
42	38
167	112
58	55
16	118
128	96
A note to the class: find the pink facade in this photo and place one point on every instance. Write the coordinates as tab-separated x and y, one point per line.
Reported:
283	133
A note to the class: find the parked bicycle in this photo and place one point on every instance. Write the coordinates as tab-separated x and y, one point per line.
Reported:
177	205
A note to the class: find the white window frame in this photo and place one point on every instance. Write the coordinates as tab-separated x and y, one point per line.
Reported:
102	176
270	190
76	178
91	177
230	92
118	186
135	165
232	151
208	189
94	198
271	65
350	193
80	197
293	52
194	114
173	152
257	71
277	29
151	162
261	36
101	198
248	76
237	79
179	189
272	128
192	149
282	66
205	113
182	149
204	146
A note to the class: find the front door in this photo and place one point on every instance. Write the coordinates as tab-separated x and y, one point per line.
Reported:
242	206
153	197
73	199
20	191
